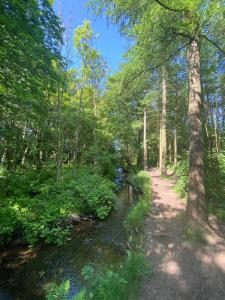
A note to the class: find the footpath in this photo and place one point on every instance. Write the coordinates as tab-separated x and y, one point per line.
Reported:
181	270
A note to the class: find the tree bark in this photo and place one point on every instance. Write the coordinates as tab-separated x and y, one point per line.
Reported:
59	134
175	148
196	205
77	131
145	157
170	152
175	135
163	150
215	122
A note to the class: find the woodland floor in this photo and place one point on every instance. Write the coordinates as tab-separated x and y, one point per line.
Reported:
181	270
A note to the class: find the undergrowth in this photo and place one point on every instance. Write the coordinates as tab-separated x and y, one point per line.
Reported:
181	179
36	206
214	182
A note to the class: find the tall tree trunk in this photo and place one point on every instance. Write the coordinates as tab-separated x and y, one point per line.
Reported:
216	132
175	135
175	148
77	131
170	152
145	157
24	146
59	134
162	160
196	204
95	123
24	156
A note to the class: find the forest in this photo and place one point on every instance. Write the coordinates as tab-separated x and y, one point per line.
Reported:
67	130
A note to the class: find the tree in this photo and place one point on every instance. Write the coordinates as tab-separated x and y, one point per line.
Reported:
178	25
30	34
163	122
93	70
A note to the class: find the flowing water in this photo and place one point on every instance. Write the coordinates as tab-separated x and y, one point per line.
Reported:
25	272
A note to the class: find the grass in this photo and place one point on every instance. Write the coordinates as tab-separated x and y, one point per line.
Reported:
195	234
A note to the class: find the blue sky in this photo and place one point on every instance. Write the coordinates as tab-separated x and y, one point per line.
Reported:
110	43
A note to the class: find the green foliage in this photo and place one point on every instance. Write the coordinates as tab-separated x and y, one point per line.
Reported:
109	283
135	220
181	178
215	184
214	179
105	161
38	207
58	292
8	223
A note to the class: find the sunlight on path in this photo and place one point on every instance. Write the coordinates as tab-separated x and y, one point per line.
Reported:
181	271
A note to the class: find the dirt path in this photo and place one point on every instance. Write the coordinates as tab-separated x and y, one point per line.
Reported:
181	271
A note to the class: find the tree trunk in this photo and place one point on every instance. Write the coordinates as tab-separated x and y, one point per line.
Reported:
145	157
170	152
95	124
162	160
175	135
216	132
59	135
196	204
175	148
77	131
24	151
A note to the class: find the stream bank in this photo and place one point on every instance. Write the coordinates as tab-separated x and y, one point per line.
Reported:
25	272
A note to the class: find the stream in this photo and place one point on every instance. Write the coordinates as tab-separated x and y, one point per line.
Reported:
25	272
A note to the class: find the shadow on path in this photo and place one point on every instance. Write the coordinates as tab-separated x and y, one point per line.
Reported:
181	271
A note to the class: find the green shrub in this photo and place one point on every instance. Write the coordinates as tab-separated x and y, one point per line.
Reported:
8	224
214	169
39	206
136	216
215	184
181	178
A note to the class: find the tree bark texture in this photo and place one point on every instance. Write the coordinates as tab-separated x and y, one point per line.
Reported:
196	204
145	157
163	148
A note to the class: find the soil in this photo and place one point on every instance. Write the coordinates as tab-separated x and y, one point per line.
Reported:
181	270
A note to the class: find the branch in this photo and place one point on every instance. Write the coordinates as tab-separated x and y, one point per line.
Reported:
178	49
169	8
213	43
185	35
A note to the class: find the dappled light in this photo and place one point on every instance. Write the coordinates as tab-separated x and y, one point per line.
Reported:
182	269
112	150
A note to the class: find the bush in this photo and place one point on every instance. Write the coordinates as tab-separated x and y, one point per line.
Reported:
214	182
135	219
181	178
8	224
38	207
